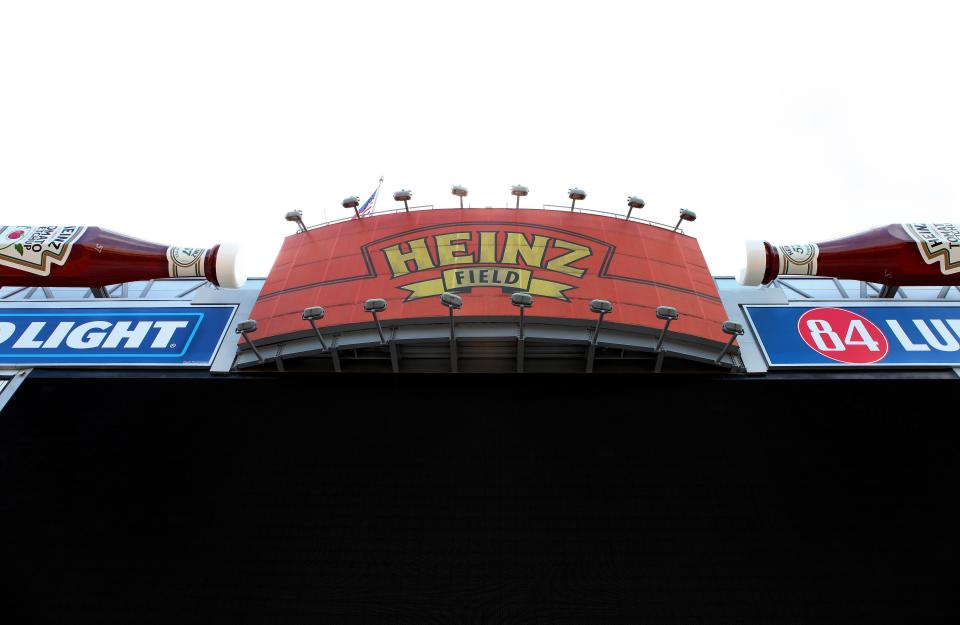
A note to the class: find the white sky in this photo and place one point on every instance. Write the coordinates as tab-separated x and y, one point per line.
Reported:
197	122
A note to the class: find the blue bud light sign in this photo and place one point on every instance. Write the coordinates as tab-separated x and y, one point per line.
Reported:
116	336
863	335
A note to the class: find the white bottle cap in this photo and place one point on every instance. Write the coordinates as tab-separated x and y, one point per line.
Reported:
231	272
755	265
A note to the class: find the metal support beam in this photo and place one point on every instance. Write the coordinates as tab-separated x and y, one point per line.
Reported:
376	318
316	330
591	351
659	349
394	352
14	292
726	348
191	289
9	382
520	342
256	352
783	283
146	289
888	291
335	355
453	344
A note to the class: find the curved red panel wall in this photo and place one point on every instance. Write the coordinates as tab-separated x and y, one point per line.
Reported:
564	259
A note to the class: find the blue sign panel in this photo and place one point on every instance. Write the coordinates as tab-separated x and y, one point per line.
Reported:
128	336
862	335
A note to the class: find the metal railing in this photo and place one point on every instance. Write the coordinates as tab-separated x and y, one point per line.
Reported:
553	207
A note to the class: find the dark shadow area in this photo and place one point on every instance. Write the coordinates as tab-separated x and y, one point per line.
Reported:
478	499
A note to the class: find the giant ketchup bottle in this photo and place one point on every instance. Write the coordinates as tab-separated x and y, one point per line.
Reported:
94	257
897	255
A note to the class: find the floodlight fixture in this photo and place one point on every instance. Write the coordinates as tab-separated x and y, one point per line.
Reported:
734	329
243	329
403	195
460	192
352	202
521	299
601	306
574	195
519	191
313	314
667	314
451	300
374	306
633	202
685	215
296	216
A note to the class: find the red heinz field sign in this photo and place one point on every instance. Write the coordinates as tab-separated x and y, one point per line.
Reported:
563	259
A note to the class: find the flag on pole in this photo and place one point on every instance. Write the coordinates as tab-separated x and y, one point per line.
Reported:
368	204
371	201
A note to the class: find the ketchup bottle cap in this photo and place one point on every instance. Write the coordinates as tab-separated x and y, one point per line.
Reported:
231	272
755	265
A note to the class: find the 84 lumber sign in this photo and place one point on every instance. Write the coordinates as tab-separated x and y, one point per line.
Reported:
862	335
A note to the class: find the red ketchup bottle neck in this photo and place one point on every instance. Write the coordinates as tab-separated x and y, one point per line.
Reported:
916	254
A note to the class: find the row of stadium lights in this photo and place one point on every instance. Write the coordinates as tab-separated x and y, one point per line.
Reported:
517	190
521	300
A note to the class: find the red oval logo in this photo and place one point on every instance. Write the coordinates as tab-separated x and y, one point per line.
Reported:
843	336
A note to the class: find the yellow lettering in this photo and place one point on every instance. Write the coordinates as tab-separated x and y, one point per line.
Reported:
532	254
418	254
450	250
561	263
488	247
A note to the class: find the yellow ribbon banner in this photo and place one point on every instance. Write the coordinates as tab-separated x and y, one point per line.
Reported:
504	277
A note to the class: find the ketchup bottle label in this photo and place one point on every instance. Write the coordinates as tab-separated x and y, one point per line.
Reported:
35	249
938	243
799	260
186	262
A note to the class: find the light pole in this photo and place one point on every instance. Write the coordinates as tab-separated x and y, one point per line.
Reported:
247	327
296	217
667	314
375	306
685	215
521	301
734	330
452	302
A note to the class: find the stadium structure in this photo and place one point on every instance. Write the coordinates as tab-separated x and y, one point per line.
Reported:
627	438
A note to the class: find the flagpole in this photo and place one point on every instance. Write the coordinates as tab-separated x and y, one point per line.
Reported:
376	197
